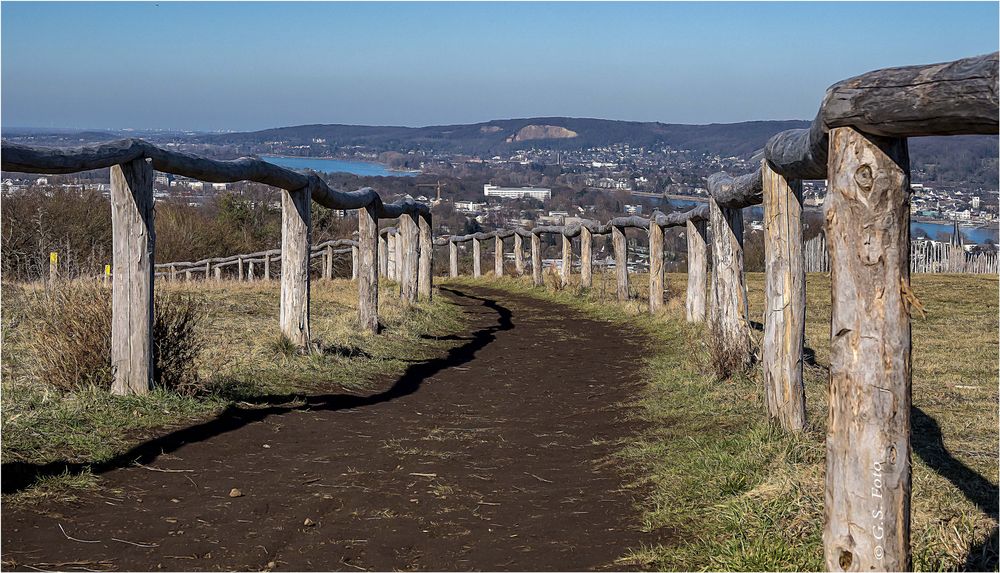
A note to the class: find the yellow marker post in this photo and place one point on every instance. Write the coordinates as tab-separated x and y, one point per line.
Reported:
107	273
53	265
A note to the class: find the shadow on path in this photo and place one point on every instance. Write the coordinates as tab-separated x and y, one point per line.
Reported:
928	443
20	475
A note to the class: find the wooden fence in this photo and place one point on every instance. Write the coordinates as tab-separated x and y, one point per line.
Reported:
857	142
925	257
266	262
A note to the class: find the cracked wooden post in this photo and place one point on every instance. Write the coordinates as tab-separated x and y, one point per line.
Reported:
409	239
453	258
697	264
239	269
354	263
567	260
729	313
133	246
867	211
497	256
425	284
536	259
477	268
368	267
267	267
383	255
518	255
249	272
394	264
655	267
586	258
296	223
621	262
784	300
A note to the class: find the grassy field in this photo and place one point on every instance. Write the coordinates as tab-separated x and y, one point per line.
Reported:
242	362
739	494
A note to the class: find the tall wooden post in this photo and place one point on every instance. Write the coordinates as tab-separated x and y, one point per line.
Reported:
383	255
239	270
173	271
409	241
518	254
249	272
328	262
497	256
868	431
425	282
267	267
586	258
368	266
536	259
567	260
621	262
218	273
453	258
655	267
133	246
296	226
729	312
208	270
354	263
477	268
784	300
697	264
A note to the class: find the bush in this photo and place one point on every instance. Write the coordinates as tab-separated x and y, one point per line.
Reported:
68	337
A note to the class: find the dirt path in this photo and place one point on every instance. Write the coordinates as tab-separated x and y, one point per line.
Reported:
485	459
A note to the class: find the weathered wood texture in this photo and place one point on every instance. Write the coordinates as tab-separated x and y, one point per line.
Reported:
425	270
383	255
536	260
621	262
328	263
409	243
868	431
498	256
296	227
586	258
133	246
354	263
453	259
655	268
567	261
367	269
518	255
729	313
697	263
784	300
477	259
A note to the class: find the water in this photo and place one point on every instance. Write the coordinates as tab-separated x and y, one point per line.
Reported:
973	235
363	168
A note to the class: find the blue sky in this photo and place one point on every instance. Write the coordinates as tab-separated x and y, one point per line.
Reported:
242	66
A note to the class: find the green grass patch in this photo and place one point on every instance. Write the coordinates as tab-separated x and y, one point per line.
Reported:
737	493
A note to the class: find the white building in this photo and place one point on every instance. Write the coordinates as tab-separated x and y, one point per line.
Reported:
540	193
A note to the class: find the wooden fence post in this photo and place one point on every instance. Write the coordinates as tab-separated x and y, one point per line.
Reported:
53	266
368	267
383	255
497	256
784	301
453	258
208	270
518	254
187	275
133	246
729	313
655	267
425	282
173	272
354	263
218	273
567	260
249	271
477	269
868	433
267	268
586	258
296	226
328	262
621	262
536	259
239	269
409	238
697	263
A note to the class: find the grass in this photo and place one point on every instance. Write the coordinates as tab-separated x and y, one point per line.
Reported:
733	492
243	360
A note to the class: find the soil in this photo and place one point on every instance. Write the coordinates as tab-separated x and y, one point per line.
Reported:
496	456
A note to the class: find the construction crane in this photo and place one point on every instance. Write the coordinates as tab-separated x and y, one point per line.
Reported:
437	186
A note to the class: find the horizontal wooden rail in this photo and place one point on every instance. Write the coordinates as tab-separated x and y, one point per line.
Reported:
222	261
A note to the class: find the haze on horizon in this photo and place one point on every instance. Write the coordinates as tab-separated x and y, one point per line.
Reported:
248	66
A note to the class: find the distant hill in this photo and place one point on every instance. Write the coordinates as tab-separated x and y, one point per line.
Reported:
539	132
